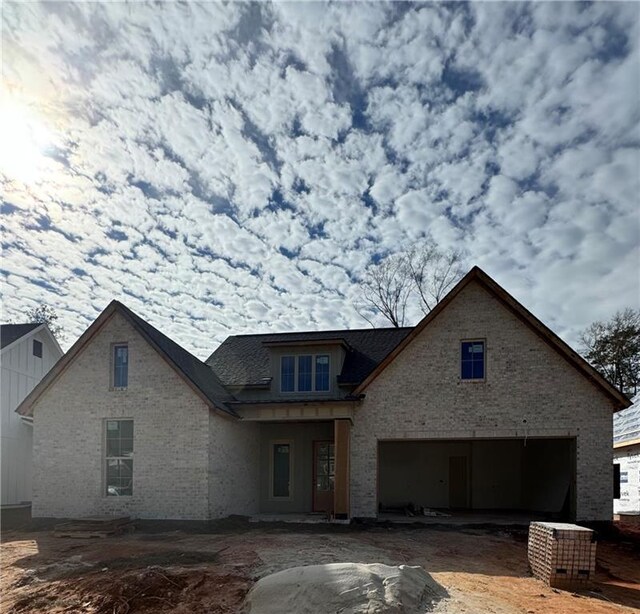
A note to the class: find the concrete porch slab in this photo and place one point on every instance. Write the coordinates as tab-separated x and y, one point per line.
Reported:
291	518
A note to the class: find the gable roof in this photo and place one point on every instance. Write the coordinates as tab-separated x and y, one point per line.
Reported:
16	333
196	374
545	333
12	332
626	425
243	360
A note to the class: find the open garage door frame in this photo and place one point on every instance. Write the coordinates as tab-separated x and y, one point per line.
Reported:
536	474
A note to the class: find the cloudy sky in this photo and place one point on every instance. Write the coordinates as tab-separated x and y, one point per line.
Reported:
235	168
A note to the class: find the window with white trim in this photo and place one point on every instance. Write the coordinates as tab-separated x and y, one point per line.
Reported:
120	365
472	360
281	469
305	373
119	458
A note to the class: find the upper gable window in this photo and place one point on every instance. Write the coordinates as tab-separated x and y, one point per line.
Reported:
37	348
120	366
472	360
305	373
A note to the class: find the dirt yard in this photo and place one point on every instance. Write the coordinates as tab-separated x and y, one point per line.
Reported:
484	570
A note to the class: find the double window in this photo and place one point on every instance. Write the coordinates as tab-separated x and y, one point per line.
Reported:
472	360
120	366
305	373
119	458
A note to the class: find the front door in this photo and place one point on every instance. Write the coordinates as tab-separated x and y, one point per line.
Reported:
323	476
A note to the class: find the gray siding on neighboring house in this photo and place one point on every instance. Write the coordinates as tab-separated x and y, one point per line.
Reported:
529	391
171	435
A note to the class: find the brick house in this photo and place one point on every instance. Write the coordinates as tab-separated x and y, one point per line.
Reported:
478	407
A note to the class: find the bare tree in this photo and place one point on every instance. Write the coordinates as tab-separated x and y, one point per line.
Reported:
613	348
386	288
433	273
45	314
423	275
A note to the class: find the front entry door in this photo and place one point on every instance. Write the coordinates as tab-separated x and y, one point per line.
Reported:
323	476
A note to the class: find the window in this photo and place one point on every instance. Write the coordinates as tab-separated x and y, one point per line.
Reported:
120	366
322	373
288	374
305	373
472	363
119	458
281	469
617	475
37	348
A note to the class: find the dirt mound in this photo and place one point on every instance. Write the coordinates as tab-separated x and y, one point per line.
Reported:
349	588
148	590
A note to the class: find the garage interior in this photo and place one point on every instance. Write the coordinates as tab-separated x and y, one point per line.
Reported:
534	475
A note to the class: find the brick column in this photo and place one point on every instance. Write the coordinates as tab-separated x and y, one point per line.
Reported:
342	434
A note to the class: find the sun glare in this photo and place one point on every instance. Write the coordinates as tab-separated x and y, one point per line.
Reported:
24	138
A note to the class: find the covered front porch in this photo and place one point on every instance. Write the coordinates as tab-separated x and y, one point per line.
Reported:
303	459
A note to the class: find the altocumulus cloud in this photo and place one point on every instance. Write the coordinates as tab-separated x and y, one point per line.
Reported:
234	168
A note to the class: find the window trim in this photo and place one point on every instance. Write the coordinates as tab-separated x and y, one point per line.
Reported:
272	443
105	458
33	348
477	380
296	371
112	365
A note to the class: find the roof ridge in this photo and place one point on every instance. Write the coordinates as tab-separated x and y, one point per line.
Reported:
311	332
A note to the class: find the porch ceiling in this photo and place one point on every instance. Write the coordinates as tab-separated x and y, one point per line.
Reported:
262	412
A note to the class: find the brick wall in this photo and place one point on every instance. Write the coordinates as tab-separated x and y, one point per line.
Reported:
171	436
234	467
530	390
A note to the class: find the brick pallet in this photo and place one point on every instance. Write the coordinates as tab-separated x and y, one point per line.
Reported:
562	555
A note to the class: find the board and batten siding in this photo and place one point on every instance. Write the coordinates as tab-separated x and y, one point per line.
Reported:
21	371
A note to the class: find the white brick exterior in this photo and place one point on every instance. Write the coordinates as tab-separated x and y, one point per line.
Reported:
171	435
192	463
530	390
234	467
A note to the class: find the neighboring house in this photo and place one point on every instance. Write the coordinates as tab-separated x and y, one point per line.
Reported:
626	455
480	406
28	352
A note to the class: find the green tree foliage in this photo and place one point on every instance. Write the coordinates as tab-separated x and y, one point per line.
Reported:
613	348
45	314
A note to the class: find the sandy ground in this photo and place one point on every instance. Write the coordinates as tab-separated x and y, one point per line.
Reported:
484	570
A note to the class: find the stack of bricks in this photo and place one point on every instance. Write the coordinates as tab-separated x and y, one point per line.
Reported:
562	555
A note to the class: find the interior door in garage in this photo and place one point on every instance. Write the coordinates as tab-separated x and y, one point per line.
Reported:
458	482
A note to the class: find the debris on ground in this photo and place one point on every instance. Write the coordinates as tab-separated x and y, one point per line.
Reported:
94	526
349	588
483	568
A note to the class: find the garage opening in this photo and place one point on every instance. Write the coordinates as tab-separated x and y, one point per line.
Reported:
520	475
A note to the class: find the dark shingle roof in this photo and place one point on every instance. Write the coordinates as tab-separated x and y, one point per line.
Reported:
201	375
12	332
244	359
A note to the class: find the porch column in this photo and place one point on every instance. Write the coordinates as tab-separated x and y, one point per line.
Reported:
342	432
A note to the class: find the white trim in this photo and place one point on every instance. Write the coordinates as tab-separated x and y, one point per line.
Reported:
42	327
272	443
296	358
478	380
105	458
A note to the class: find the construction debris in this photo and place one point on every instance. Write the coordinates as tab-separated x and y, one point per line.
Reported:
94	526
562	555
